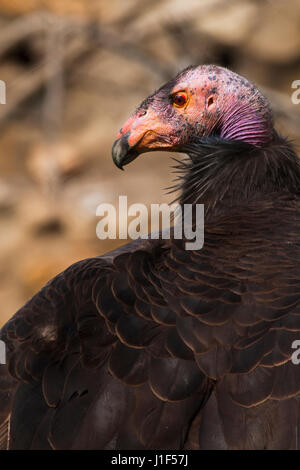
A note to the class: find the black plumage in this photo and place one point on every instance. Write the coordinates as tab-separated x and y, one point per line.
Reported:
155	347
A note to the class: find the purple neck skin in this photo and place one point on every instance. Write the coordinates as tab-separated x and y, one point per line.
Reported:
242	122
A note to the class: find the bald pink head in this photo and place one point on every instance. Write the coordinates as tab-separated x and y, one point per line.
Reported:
199	101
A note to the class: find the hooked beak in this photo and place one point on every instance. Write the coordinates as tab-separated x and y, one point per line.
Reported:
122	153
143	132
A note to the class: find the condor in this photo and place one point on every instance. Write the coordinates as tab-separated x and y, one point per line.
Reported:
156	347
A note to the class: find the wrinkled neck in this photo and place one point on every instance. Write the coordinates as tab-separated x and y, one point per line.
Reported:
252	125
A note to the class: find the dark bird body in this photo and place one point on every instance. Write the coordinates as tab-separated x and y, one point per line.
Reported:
153	346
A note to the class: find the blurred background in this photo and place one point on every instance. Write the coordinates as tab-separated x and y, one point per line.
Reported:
74	71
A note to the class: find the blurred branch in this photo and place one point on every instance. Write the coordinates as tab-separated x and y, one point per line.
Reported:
53	105
53	102
135	12
25	26
84	39
111	40
30	82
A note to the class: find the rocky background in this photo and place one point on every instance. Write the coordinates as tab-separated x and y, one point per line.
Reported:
74	70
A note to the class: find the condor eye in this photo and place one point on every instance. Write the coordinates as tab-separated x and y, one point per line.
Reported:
179	99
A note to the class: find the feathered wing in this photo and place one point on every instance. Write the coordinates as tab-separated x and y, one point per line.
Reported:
91	362
242	297
157	347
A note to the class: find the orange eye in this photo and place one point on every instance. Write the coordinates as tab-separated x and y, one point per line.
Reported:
179	99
